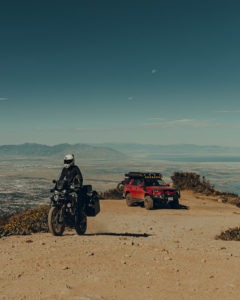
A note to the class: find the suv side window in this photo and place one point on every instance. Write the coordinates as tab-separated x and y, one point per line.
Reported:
127	180
131	181
137	181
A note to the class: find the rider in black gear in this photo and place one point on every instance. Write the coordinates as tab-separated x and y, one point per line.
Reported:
71	173
73	176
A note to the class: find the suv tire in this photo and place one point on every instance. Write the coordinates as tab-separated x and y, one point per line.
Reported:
148	202
174	204
129	200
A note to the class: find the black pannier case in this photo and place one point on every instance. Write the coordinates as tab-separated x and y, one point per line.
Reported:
93	203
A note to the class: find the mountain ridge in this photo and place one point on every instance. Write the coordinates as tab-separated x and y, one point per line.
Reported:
81	150
124	151
129	147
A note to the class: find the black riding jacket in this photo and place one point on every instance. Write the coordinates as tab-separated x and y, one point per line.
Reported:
72	175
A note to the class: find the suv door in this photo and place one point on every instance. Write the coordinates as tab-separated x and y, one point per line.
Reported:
129	188
138	185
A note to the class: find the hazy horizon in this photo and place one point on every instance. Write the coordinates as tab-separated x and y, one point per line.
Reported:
117	143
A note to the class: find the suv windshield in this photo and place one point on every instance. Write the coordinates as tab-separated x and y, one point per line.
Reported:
154	182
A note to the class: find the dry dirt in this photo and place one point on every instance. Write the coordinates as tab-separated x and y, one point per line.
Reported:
129	253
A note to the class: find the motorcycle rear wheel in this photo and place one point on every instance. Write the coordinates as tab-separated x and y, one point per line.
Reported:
55	226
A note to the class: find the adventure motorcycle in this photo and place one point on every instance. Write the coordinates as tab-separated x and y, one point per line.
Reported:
71	208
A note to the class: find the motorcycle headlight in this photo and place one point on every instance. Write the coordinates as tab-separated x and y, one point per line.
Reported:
55	196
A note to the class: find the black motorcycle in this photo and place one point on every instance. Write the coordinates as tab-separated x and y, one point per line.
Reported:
70	207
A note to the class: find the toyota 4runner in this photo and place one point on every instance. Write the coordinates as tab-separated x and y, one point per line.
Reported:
148	189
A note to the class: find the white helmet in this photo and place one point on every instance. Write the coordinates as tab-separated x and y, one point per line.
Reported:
68	160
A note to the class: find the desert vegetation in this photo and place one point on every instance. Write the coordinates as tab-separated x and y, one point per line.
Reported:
198	184
25	222
231	234
111	194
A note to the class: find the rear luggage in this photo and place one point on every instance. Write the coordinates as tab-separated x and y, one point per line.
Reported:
93	203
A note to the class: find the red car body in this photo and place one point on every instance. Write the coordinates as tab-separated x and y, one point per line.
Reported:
148	189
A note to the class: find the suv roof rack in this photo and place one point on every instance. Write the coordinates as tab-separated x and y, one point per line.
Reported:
144	175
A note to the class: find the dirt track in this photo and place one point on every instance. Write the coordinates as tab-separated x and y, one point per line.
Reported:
129	253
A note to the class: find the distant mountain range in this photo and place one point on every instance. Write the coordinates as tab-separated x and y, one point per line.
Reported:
166	149
82	151
178	152
124	151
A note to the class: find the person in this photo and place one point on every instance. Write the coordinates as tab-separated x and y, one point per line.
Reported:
71	172
73	176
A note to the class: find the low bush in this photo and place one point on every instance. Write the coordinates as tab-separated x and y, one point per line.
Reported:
25	222
232	234
192	181
111	194
4	220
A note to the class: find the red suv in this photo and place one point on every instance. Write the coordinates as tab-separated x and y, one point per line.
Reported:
148	189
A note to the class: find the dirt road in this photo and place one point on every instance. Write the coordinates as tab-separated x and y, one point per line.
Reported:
129	253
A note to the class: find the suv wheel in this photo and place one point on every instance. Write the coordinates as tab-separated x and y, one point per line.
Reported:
148	202
174	204
129	200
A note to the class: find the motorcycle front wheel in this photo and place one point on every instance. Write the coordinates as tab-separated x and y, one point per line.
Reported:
55	226
80	223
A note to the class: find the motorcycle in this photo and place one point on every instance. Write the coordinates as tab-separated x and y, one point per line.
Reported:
71	208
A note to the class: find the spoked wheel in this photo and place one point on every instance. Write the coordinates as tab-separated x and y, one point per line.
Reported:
55	225
148	202
80	223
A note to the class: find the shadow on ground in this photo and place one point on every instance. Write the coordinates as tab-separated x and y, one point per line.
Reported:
180	206
126	234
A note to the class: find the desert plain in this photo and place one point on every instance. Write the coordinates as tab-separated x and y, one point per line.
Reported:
129	253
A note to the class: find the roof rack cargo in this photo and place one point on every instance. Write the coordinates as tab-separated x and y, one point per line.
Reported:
144	175
134	174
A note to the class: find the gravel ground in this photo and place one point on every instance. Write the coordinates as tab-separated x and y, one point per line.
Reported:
129	253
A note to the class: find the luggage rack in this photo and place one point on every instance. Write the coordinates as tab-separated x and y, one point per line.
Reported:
147	175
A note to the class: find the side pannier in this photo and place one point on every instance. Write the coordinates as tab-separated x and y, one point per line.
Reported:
93	203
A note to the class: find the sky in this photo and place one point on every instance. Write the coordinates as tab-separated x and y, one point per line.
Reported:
91	71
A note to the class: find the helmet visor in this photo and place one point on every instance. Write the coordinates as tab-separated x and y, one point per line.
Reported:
68	161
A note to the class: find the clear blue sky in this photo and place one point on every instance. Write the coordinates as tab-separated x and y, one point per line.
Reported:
160	72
